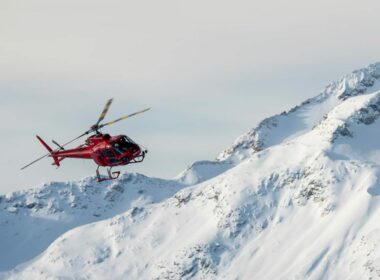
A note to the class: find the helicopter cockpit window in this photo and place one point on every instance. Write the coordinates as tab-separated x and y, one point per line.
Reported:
119	148
108	153
124	144
110	156
127	140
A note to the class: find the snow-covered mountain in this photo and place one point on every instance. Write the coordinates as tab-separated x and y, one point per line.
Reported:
30	220
297	197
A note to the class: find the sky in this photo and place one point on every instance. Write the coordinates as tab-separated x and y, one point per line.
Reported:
210	70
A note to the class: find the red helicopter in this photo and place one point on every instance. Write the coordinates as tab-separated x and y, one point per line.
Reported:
104	149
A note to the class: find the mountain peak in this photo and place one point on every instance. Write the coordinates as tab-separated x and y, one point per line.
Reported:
355	83
304	117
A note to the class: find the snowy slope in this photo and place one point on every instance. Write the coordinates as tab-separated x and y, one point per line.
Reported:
296	198
287	125
30	220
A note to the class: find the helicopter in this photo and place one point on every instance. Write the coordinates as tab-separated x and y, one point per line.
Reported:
105	150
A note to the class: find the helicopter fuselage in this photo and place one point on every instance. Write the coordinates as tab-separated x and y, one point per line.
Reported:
105	150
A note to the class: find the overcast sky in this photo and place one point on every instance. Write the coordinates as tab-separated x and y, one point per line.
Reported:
210	70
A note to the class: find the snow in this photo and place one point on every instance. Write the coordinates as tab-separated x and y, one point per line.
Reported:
35	218
303	118
201	171
297	197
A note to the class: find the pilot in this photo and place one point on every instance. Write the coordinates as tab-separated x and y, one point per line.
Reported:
118	148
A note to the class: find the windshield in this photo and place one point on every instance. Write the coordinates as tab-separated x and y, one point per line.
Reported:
122	145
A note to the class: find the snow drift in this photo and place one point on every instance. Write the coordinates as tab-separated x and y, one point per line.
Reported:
295	198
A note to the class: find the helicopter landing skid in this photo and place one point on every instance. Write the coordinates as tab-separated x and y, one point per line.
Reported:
111	175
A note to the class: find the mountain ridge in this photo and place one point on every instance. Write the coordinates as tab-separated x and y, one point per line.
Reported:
353	84
297	197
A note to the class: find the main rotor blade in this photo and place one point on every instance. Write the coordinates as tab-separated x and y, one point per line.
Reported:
76	138
34	161
123	118
105	110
